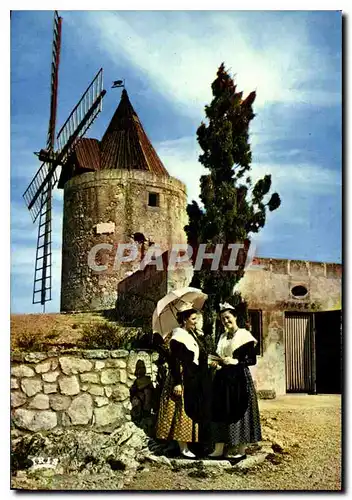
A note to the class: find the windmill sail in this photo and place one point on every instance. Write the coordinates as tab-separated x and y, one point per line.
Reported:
38	195
43	261
76	125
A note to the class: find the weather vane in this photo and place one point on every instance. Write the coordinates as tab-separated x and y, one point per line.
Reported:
118	83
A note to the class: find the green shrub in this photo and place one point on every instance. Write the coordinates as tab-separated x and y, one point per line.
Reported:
28	341
109	336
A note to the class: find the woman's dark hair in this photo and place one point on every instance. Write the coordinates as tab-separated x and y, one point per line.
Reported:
230	310
182	316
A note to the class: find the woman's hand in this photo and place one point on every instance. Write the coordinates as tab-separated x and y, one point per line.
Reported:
177	390
229	361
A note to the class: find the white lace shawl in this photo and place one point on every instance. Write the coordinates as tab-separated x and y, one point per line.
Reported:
226	346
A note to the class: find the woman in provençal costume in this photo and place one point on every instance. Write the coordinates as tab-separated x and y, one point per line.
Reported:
235	412
184	412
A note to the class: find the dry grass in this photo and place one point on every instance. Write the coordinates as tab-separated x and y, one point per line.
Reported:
42	331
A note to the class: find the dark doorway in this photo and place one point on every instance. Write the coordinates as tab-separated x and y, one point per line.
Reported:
328	342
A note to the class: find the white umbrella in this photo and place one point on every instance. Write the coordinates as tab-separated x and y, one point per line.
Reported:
164	317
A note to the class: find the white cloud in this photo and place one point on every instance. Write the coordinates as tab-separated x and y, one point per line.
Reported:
179	54
180	158
304	177
299	186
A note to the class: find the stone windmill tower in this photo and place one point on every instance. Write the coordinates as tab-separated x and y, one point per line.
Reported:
115	191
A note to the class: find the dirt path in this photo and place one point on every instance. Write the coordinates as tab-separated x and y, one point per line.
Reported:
314	465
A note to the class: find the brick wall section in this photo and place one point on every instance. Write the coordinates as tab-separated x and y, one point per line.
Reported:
74	388
119	197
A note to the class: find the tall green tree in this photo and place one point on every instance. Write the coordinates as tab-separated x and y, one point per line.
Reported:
233	207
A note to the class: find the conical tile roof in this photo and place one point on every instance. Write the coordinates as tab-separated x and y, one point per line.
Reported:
125	143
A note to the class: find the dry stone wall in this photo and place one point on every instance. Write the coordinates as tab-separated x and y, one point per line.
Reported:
75	388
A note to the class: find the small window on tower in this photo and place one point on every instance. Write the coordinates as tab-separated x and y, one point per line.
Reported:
153	200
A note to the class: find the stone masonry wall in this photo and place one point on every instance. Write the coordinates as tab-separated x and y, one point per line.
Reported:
74	388
140	292
109	207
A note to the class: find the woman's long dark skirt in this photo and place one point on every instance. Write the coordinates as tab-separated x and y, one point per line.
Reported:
245	430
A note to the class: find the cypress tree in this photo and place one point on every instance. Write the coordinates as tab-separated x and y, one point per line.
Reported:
233	207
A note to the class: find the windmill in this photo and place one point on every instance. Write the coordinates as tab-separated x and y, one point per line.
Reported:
38	195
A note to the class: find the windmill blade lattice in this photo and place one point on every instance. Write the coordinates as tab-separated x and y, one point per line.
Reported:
81	117
43	260
38	195
76	125
36	186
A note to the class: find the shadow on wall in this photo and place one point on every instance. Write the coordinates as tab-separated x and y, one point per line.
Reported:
145	398
144	395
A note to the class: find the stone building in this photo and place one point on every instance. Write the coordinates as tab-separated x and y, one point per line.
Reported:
116	192
294	311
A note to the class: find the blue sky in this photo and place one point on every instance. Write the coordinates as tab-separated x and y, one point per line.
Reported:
168	60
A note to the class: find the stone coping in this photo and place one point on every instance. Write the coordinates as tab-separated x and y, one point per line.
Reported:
36	357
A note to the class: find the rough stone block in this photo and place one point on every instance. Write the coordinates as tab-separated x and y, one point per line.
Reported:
17	399
31	386
22	371
50	388
69	385
120	353
81	409
35	357
252	461
50	377
54	363
127	404
40	402
14	383
65	420
109	414
34	420
116	363
120	392
99	365
96	354
96	390
58	402
17	357
108	391
43	367
72	366
123	376
101	401
93	378
110	376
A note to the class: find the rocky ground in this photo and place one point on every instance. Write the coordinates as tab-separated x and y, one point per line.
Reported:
301	450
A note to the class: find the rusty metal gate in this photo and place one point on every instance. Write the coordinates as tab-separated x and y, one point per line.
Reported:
299	352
